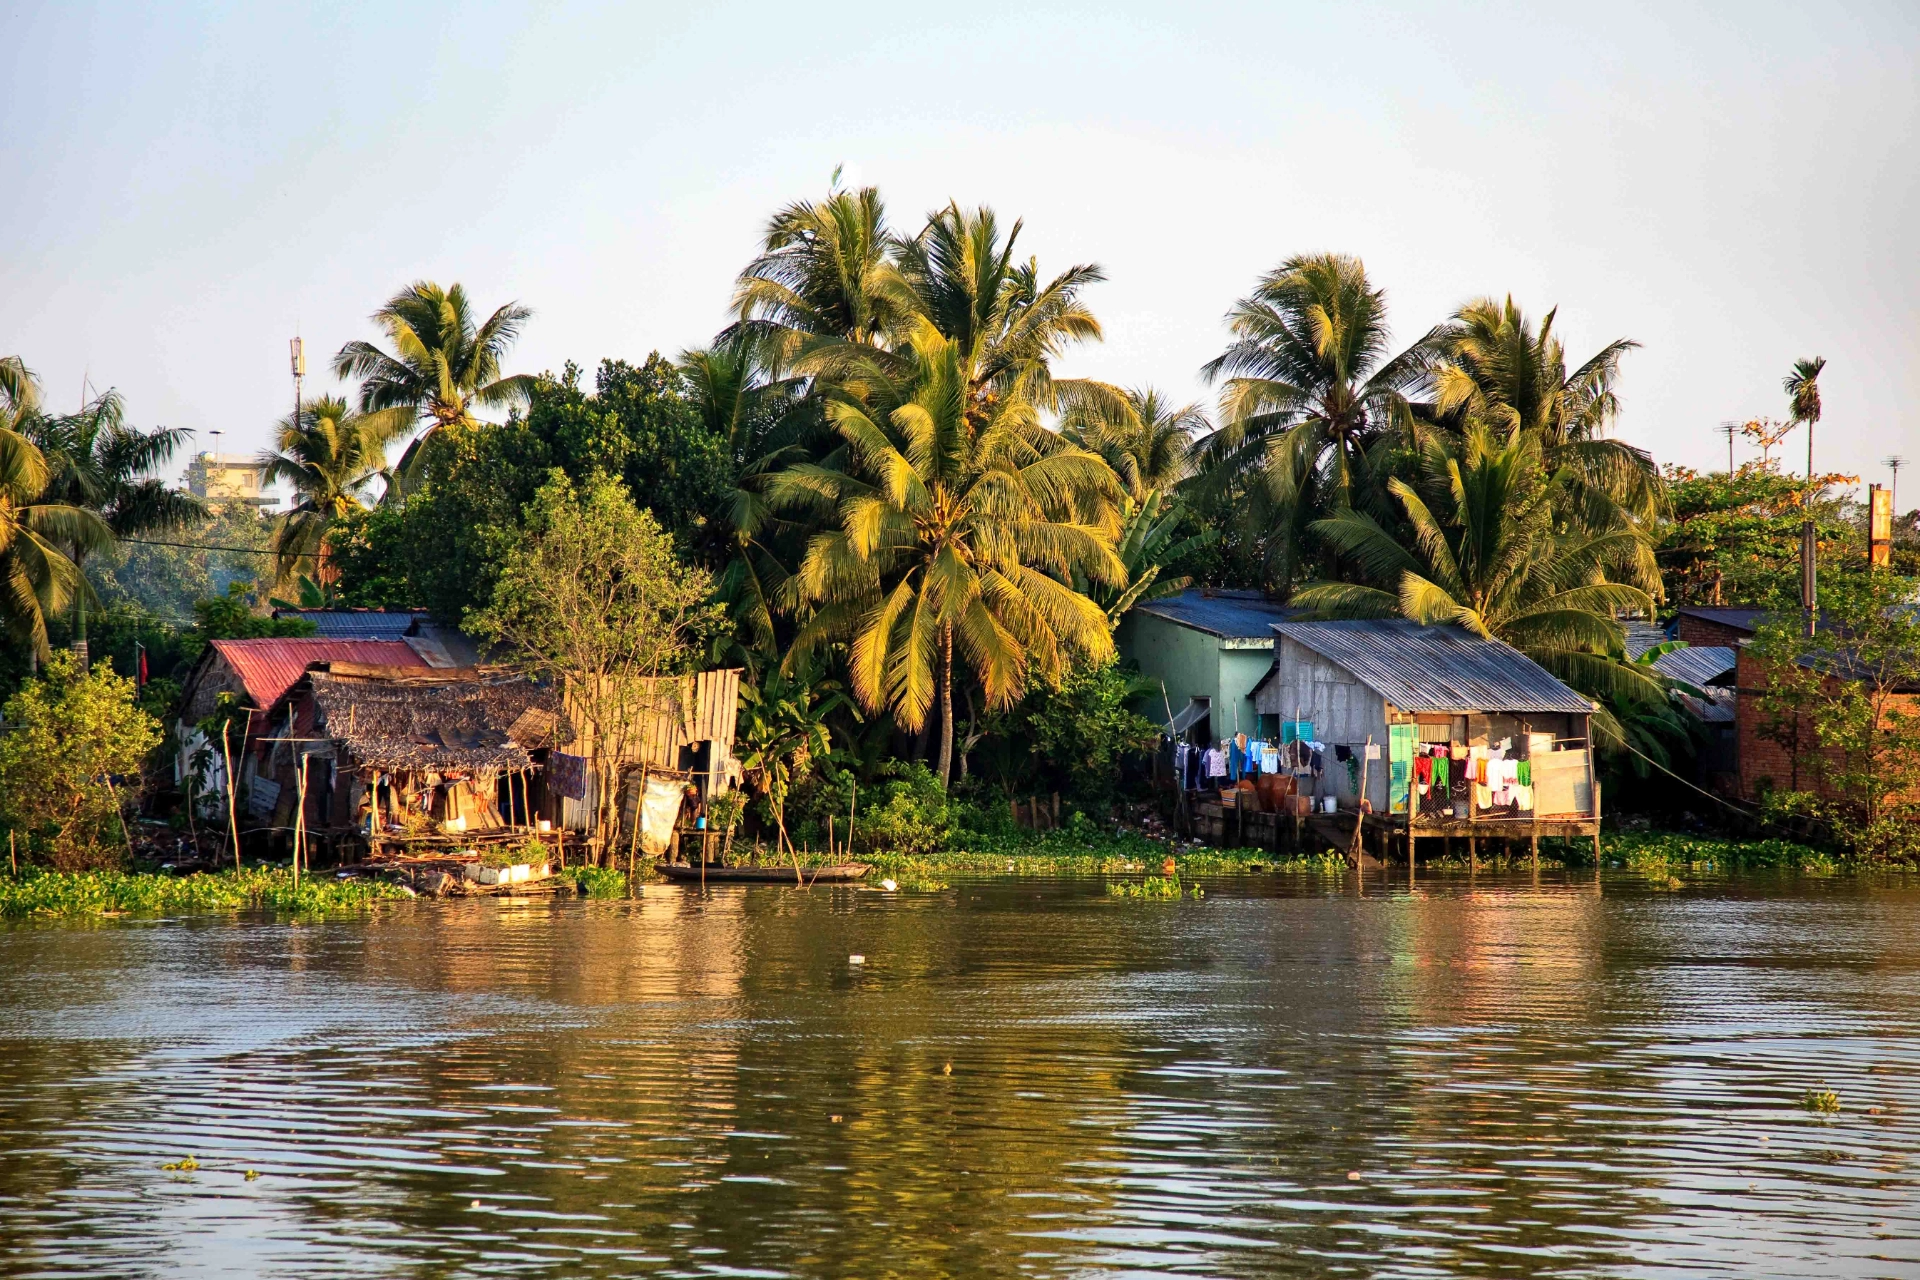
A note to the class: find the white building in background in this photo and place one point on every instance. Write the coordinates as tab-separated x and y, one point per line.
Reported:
228	477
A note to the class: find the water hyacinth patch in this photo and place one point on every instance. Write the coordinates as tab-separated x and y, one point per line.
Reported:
102	893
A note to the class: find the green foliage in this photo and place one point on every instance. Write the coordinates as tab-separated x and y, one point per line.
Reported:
639	425
1073	735
67	732
443	548
592	593
782	734
532	852
599	882
1821	1101
232	617
911	815
1657	853
1836	703
1154	887
1735	539
97	893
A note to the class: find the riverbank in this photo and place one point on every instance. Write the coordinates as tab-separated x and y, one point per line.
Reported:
1085	851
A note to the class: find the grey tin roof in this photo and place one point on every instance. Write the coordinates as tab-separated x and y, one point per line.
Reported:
356	624
1231	615
1697	663
1420	668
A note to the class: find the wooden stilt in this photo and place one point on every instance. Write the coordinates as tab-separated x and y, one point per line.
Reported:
1473	853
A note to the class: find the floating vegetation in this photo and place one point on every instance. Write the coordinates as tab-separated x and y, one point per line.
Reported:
1158	887
185	1165
1822	1101
108	893
599	882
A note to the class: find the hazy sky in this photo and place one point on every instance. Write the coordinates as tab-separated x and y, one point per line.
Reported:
1733	186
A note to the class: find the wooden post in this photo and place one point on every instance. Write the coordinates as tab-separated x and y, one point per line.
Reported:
1473	845
1358	847
299	813
13	858
233	827
1533	840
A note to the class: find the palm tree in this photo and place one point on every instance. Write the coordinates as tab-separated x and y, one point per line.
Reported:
762	421
1488	554
37	579
783	730
329	455
441	365
98	463
959	526
1146	546
1311	394
1496	368
1803	393
1005	326
19	393
1151	447
825	271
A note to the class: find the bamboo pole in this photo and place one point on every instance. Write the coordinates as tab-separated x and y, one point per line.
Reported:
13	859
125	833
299	815
233	826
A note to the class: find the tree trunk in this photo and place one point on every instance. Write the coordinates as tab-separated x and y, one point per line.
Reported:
946	705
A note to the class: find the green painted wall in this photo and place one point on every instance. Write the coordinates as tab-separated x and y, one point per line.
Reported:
1165	651
1194	665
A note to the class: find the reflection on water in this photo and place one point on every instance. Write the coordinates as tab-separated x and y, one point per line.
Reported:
1283	1078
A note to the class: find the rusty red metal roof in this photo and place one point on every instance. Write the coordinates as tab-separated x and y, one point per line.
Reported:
268	668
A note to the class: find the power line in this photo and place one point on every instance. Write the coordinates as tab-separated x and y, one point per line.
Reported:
200	546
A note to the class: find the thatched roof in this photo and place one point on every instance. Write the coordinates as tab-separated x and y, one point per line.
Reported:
468	719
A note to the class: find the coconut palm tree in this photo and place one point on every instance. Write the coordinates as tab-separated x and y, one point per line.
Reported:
329	455
766	425
1496	367
1488	554
37	579
1146	545
1310	396
19	393
825	271
1005	325
1150	448
955	527
442	365
98	463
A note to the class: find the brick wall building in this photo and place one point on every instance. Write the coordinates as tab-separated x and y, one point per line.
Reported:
1761	757
1726	627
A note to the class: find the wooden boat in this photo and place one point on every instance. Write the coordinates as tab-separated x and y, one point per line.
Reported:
838	873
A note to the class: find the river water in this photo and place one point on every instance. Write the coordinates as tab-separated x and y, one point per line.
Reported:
1497	1077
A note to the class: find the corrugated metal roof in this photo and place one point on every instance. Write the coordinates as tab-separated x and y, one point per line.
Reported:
268	668
1420	668
1739	619
1232	615
1642	636
1697	663
356	624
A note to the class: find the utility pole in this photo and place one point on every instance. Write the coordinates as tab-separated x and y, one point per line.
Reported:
1893	490
1729	430
299	350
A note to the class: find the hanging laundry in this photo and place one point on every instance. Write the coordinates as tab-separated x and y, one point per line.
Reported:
1482	798
1441	768
1525	775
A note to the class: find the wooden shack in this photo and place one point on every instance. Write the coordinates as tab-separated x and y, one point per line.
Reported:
1379	696
391	752
682	730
